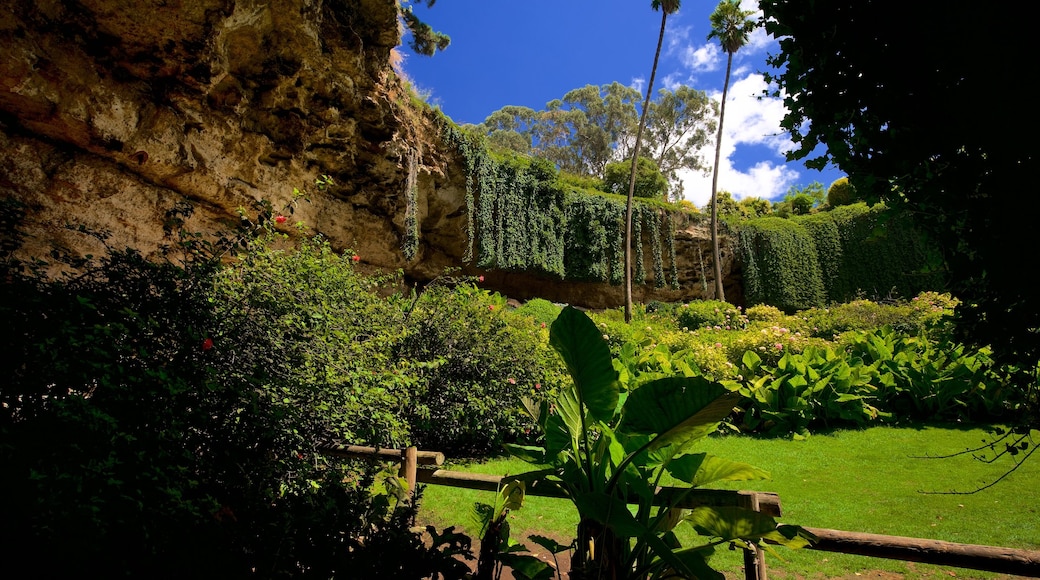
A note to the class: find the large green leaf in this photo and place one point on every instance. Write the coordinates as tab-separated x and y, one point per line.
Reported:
695	561
563	426
529	453
730	523
612	512
527	567
676	409
700	469
794	537
580	343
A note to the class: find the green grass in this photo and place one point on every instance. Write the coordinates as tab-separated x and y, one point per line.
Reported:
861	481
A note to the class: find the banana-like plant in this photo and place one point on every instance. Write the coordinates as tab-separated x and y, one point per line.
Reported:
605	449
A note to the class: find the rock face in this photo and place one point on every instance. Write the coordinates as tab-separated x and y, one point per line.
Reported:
112	114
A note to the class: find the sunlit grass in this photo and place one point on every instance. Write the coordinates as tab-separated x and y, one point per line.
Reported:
863	481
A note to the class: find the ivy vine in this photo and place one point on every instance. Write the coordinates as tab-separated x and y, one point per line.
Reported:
522	218
834	256
410	243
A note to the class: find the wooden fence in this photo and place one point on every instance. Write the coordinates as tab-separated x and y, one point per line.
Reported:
975	557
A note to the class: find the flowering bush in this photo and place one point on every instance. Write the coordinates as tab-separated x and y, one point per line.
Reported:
764	313
711	314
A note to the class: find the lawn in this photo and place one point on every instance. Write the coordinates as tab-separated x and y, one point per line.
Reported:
875	480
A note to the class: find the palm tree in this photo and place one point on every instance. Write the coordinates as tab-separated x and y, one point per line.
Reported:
731	26
666	7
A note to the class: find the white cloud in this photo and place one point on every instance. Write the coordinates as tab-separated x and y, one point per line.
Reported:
704	58
758	41
749	121
637	84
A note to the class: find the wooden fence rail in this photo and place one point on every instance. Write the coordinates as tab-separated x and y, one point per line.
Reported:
986	558
975	557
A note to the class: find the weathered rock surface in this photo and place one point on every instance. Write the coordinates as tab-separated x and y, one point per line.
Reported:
113	111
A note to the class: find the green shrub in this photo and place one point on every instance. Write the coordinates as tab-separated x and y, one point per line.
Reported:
541	310
926	379
815	387
152	428
770	343
841	192
710	314
781	265
764	313
649	181
883	255
473	361
864	315
329	332
706	351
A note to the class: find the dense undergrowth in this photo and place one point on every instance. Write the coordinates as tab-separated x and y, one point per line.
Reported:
165	408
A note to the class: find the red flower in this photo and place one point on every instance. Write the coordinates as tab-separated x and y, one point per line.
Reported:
280	219
491	307
480	278
537	386
543	325
207	344
356	258
511	381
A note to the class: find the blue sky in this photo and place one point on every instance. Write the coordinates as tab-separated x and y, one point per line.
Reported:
533	51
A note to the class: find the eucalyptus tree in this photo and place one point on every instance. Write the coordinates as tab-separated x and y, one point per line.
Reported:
612	117
553	136
666	7
678	125
731	26
511	128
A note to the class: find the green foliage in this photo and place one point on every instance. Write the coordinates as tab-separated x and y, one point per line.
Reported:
602	448
527	216
425	40
472	361
925	379
841	192
160	409
834	256
888	127
727	206
817	386
592	125
875	374
881	251
764	313
780	264
710	313
731	25
327	328
754	207
541	310
650	183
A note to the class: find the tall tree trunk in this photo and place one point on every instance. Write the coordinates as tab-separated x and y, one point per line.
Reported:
632	177
716	256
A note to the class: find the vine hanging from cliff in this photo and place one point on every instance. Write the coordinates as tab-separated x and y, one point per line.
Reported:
521	217
670	238
655	244
410	243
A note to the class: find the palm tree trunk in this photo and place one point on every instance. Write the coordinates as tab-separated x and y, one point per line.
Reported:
716	256
632	176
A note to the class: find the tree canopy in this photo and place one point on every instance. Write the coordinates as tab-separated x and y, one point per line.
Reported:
595	125
924	105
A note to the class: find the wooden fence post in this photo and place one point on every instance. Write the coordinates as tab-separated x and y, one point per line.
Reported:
409	460
754	558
